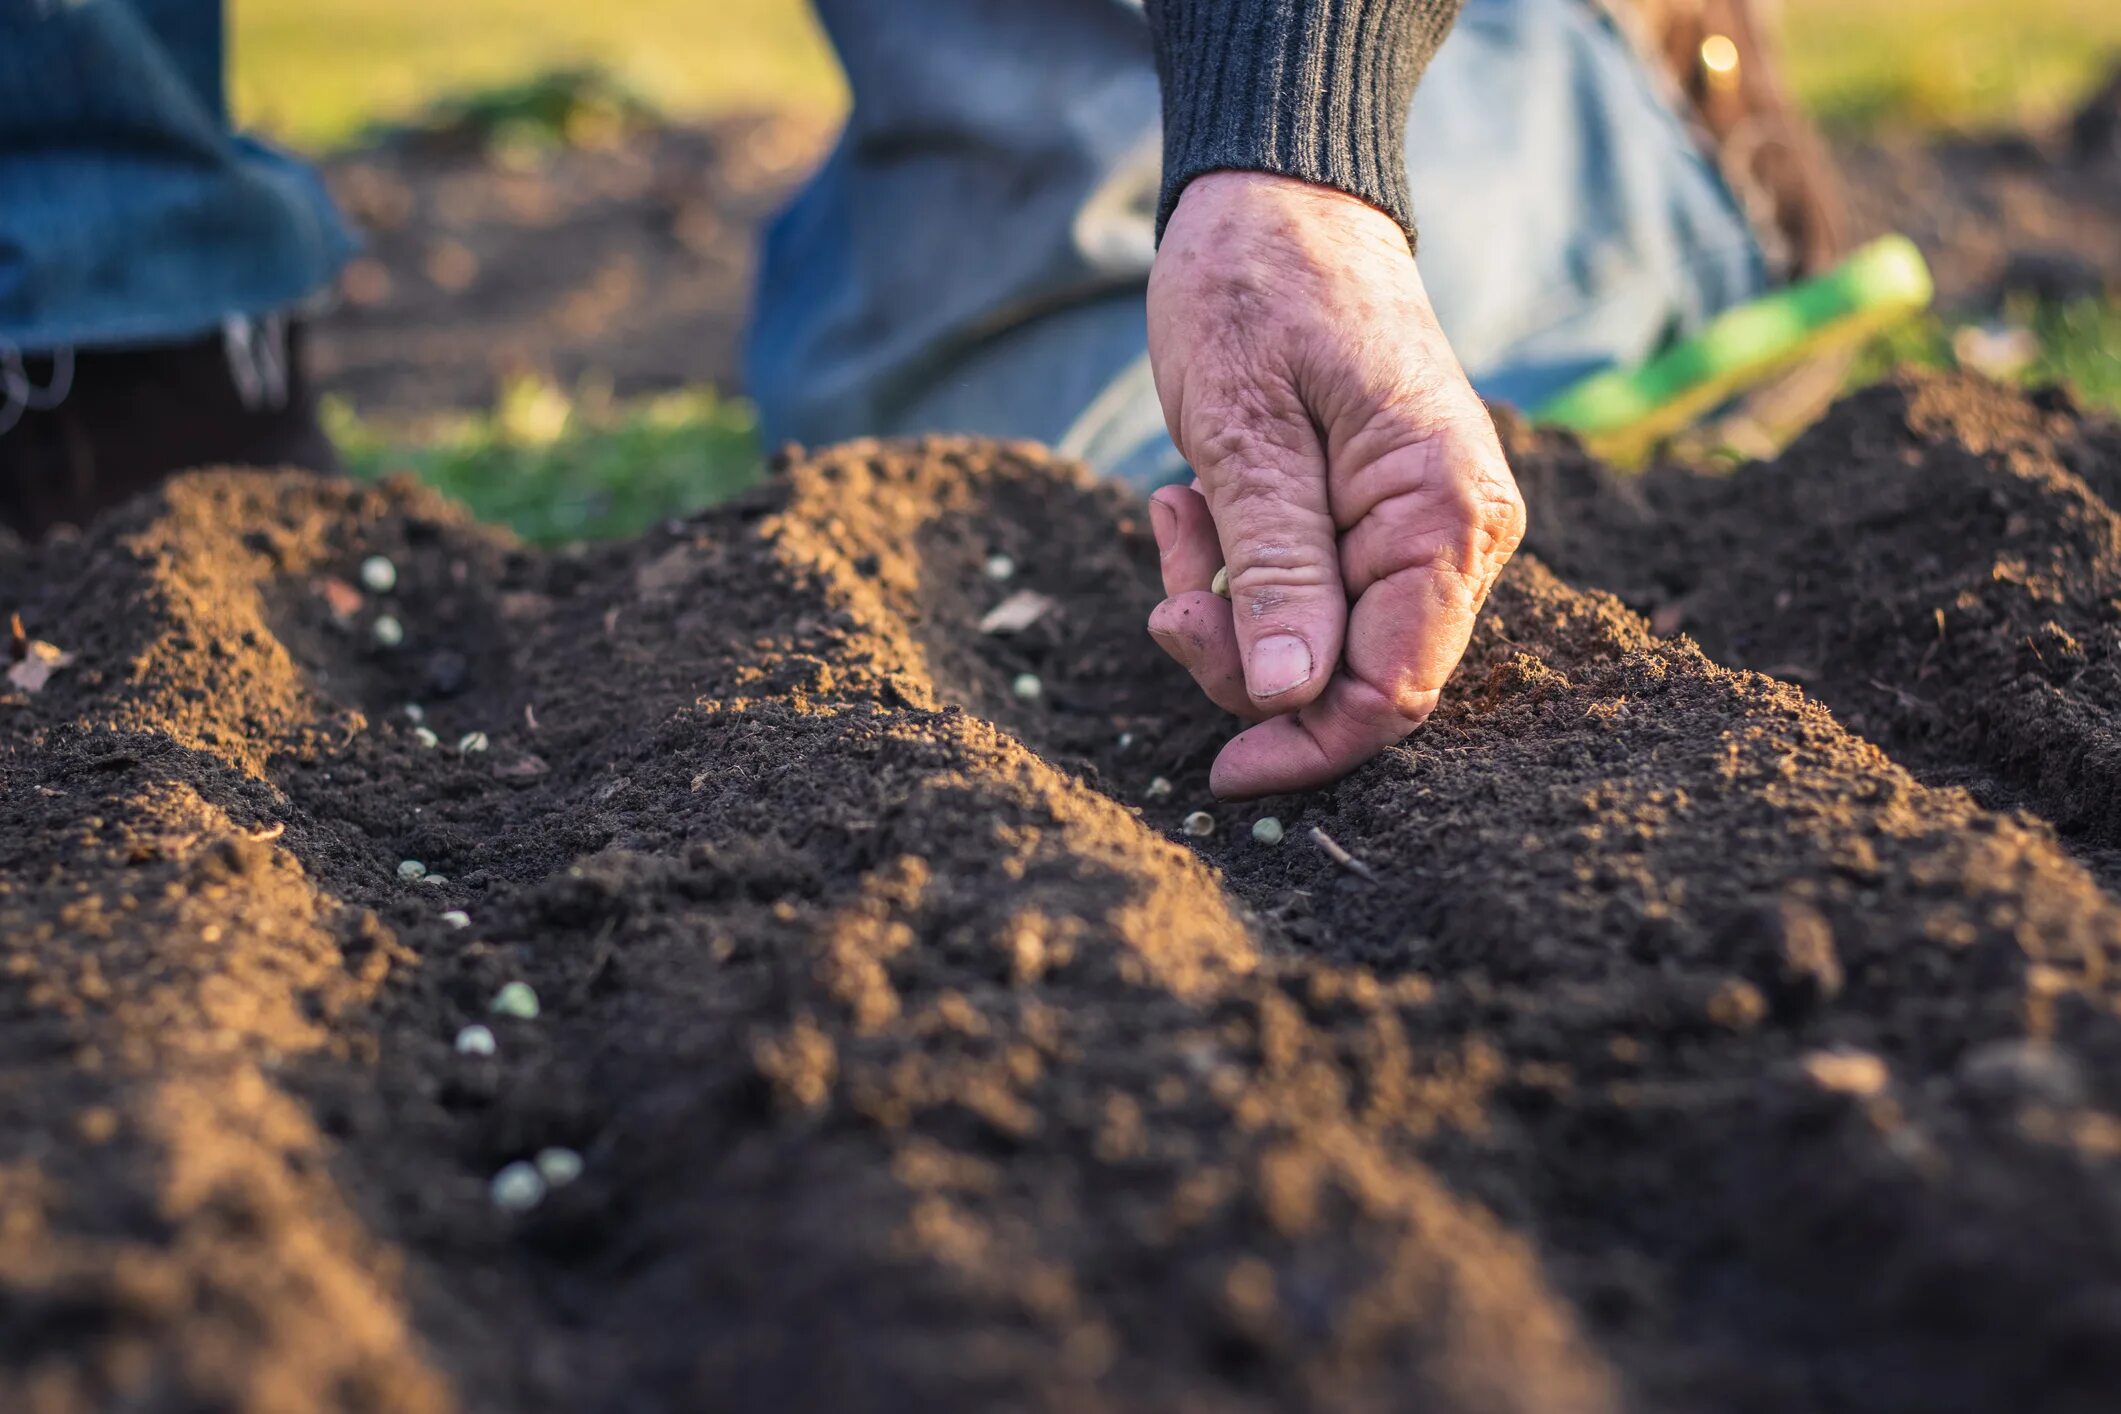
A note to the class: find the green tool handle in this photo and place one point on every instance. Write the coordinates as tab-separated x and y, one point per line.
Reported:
1628	410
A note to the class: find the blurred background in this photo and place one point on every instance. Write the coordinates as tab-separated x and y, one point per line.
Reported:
559	202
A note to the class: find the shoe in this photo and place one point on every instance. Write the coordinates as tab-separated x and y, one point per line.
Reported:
84	430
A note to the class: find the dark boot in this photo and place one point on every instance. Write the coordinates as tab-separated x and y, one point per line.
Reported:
83	431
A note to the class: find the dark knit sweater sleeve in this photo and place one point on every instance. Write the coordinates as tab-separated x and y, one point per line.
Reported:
1316	89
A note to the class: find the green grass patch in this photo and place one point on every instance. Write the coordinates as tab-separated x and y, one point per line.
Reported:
2077	344
561	467
319	73
1861	65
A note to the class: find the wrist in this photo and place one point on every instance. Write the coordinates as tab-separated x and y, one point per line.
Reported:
1247	206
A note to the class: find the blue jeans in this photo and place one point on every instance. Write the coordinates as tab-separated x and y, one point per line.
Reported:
973	255
129	213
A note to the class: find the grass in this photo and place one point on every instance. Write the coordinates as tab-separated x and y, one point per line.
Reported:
2078	343
560	467
1862	65
318	72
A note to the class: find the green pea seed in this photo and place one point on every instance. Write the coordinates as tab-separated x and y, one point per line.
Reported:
516	999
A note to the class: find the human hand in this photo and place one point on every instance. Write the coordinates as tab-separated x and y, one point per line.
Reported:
1347	477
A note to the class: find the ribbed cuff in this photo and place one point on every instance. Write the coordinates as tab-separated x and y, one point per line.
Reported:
1315	89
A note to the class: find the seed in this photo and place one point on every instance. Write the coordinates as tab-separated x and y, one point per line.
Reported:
472	741
426	737
1267	830
559	1167
1221	583
518	1188
411	869
388	631
457	918
1028	687
415	713
1000	567
475	1040
516	999
1159	789
379	574
1200	824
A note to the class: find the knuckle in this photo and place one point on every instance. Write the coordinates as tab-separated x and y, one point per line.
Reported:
1261	587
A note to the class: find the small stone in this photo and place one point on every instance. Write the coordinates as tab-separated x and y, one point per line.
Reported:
457	918
1028	687
415	713
476	1040
426	737
379	574
518	1188
411	869
388	631
1221	583
1267	830
516	999
2023	1071
1200	824
472	741
1159	789
435	879
1790	948
558	1167
1126	741
1000	567
1737	1005
1843	1071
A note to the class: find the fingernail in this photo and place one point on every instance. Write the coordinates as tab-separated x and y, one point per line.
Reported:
1161	520
1279	662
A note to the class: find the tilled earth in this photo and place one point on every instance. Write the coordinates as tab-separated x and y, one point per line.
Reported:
1727	1027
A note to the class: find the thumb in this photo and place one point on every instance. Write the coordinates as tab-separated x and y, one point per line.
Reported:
1267	493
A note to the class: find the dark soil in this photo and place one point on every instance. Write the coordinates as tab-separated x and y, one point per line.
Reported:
1680	1050
1955	594
2016	213
630	263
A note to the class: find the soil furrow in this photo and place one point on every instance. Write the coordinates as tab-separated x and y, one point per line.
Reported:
1683	1052
1939	561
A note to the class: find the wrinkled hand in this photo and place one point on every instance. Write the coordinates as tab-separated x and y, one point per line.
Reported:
1348	477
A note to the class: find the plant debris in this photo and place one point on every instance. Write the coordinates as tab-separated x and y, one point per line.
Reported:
1018	612
1341	857
35	661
